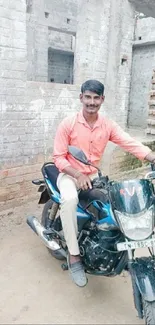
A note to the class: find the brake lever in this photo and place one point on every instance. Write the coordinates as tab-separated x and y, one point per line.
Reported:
153	167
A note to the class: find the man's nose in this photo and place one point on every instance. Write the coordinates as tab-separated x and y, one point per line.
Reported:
92	101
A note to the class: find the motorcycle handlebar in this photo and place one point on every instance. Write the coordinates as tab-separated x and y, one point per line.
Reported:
151	175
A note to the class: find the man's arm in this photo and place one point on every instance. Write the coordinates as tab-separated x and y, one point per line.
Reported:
60	151
125	141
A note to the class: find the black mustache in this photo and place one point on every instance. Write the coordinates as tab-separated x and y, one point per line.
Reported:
91	106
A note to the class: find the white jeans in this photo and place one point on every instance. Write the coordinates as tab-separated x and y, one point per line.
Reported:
69	200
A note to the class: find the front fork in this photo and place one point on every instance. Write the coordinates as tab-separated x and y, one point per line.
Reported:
136	293
142	271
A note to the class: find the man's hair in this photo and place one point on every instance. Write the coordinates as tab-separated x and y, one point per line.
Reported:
93	85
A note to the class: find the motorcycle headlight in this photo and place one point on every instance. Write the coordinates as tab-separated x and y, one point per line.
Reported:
137	227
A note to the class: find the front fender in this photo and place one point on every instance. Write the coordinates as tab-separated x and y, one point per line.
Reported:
143	273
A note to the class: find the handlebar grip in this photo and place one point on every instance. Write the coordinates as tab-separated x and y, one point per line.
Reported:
100	182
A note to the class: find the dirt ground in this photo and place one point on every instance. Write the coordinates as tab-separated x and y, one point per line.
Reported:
35	290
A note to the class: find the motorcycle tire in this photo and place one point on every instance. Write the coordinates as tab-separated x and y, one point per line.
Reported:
44	222
149	312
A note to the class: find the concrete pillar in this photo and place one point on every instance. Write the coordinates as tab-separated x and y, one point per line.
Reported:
119	63
104	51
92	40
37	43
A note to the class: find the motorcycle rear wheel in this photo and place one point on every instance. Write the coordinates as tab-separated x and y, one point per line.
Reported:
45	222
149	312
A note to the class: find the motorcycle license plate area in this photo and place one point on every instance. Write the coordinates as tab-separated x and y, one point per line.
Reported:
136	244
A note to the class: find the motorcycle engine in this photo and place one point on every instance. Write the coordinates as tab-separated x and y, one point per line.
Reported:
99	253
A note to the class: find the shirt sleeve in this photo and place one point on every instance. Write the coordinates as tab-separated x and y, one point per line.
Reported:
125	141
61	143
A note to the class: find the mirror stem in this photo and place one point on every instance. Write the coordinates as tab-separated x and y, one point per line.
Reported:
99	171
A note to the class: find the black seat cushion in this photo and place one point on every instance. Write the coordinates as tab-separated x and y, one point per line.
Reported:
51	171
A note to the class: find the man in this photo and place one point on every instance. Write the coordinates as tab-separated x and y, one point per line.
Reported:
90	132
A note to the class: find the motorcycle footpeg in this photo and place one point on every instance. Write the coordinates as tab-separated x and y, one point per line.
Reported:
48	232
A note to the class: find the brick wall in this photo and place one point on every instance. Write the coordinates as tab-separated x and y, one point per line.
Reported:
31	111
143	65
28	128
60	66
145	29
99	53
61	40
62	15
151	112
59	11
118	72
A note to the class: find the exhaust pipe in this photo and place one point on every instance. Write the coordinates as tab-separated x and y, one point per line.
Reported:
36	226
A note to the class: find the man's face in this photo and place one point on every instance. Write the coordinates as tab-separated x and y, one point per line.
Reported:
91	102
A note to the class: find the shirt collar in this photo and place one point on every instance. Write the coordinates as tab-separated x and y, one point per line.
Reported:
82	120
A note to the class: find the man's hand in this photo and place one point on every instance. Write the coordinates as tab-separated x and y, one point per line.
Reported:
151	158
83	182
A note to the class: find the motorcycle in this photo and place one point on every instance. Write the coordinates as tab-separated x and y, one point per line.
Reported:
115	218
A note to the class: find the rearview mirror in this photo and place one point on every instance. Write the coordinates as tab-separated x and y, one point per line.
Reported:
78	154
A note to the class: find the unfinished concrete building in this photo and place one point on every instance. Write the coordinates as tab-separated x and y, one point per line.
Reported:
48	48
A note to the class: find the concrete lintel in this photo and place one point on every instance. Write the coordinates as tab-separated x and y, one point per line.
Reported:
61	30
141	43
58	50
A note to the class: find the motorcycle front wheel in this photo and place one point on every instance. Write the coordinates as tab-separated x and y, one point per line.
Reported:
45	222
149	312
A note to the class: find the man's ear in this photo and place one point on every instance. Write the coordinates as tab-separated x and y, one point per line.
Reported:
103	98
81	97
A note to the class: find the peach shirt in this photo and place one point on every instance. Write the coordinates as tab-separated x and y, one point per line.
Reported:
75	131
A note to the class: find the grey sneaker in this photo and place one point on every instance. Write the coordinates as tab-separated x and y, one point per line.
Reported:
77	273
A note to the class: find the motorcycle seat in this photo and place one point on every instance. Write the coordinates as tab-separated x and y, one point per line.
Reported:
51	172
86	197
